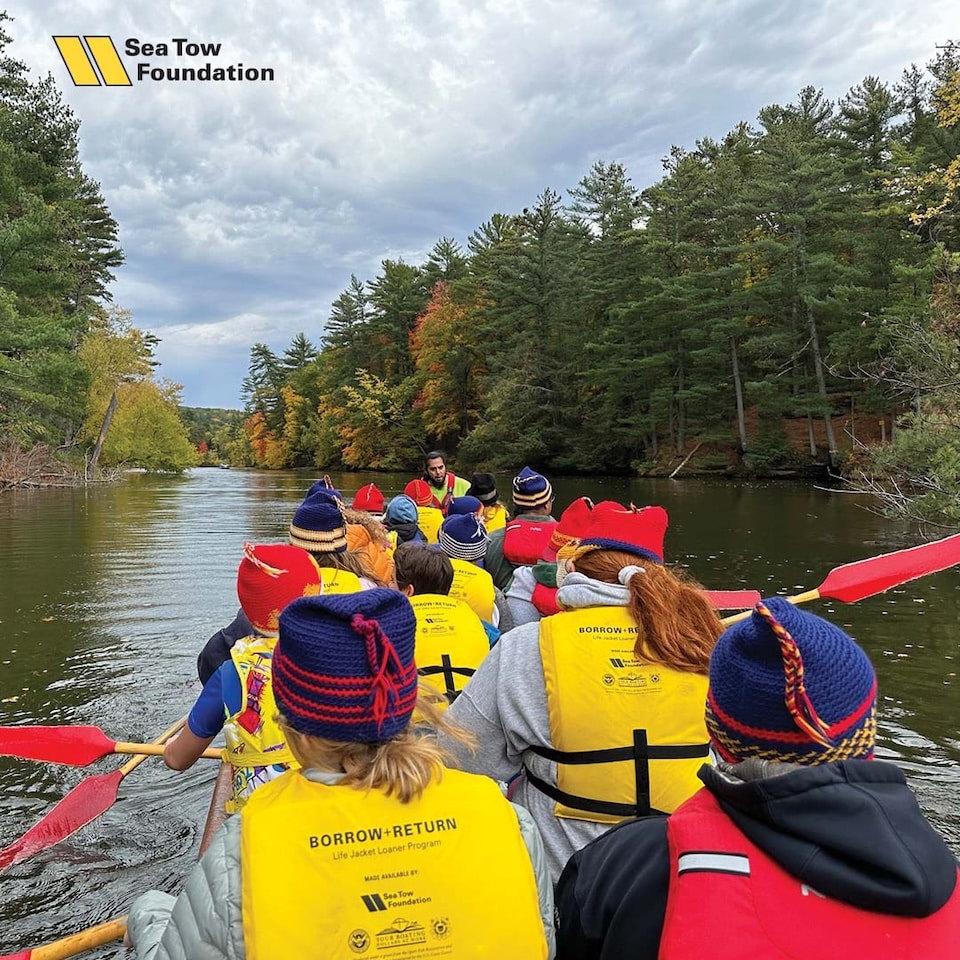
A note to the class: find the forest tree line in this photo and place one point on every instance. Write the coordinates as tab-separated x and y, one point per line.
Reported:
785	296
71	365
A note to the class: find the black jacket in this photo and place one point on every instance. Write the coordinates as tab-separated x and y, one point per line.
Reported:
851	830
217	649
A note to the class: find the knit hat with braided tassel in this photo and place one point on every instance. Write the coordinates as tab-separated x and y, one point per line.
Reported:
788	685
343	667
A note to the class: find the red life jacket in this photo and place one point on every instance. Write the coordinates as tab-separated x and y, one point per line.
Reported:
443	504
544	598
728	899
524	541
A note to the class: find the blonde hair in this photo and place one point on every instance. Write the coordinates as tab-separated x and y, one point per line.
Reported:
402	767
676	625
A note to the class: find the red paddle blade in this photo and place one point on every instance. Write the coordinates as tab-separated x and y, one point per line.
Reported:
74	745
726	600
866	578
85	802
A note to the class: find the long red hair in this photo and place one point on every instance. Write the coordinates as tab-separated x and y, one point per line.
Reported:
676	625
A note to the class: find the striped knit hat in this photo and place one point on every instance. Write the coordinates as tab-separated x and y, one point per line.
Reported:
269	577
463	536
343	667
319	525
790	686
531	489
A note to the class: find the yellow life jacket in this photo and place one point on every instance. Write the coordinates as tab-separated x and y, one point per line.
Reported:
474	586
450	644
494	517
429	520
256	747
335	871
339	581
628	735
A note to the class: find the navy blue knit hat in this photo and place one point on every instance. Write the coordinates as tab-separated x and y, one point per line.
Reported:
401	509
788	685
461	505
531	489
324	484
319	525
463	536
343	667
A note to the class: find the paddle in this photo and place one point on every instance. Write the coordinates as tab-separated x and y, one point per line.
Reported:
866	578
76	943
85	802
732	599
78	745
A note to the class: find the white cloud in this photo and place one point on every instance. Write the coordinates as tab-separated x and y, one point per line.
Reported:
245	207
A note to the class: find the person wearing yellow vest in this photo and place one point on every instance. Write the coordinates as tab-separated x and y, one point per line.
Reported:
483	486
443	484
798	844
319	525
451	639
367	535
464	539
238	697
373	848
429	514
601	705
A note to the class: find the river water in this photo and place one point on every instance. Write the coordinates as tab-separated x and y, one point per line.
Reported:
107	594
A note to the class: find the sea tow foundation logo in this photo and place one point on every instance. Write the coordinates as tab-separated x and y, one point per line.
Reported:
85	56
93	61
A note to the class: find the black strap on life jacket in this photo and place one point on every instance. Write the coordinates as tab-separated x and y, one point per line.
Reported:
640	754
448	670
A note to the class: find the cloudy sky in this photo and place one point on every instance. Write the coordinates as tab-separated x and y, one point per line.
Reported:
245	207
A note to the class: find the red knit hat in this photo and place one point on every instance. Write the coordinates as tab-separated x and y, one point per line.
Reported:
420	493
270	577
573	522
640	532
369	498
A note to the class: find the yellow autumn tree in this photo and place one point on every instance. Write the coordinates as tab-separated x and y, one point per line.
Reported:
131	418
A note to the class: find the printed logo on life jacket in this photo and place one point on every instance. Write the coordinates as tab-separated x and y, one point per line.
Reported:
440	928
359	941
373	902
621	662
401	933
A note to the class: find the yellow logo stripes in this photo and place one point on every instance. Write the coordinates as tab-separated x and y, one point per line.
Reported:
83	62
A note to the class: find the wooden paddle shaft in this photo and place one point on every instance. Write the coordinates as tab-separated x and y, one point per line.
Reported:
156	750
796	598
135	762
79	942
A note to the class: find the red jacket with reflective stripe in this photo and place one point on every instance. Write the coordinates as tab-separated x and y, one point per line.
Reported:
729	900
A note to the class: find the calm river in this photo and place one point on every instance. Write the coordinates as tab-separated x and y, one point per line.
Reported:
107	595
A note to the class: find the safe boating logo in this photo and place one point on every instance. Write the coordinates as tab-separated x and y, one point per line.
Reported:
94	61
